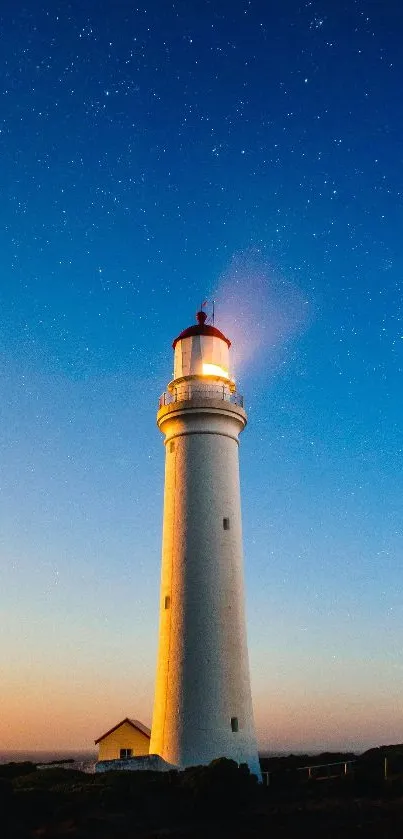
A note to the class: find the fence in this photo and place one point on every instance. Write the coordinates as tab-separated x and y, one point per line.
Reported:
317	771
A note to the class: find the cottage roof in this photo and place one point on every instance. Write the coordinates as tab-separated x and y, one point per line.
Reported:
134	723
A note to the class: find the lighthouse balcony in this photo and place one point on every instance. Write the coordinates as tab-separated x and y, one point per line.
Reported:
185	393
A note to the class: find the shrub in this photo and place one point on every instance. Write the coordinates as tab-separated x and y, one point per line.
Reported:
16	770
49	778
6	796
222	787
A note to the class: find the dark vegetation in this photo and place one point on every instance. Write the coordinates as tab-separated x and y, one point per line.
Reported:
218	801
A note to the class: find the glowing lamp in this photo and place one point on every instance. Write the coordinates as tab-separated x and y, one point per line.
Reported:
201	350
214	370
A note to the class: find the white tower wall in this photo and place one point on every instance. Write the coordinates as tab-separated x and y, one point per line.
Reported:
203	707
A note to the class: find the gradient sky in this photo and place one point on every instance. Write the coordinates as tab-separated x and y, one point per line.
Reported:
152	157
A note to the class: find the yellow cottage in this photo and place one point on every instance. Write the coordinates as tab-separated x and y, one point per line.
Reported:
129	738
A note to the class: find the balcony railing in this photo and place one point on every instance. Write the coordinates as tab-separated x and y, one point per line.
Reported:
184	394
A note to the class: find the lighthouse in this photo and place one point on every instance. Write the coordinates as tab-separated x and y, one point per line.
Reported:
203	705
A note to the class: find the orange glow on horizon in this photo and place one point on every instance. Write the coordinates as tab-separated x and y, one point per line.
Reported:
57	715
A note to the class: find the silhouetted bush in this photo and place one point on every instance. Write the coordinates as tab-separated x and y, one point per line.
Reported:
6	800
49	778
16	770
221	787
35	807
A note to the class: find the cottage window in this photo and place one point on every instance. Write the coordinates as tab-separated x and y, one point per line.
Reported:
125	753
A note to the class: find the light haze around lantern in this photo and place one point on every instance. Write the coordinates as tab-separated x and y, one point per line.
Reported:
262	308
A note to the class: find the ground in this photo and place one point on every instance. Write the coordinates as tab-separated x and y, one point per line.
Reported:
221	800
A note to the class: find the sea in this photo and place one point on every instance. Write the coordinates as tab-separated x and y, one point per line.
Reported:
82	760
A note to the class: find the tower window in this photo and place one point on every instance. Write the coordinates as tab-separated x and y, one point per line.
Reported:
234	724
172	446
225	524
167	602
125	753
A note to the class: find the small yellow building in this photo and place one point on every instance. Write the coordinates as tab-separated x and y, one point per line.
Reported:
129	738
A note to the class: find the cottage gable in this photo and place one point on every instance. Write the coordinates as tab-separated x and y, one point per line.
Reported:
128	738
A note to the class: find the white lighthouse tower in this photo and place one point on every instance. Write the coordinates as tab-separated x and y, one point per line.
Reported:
203	706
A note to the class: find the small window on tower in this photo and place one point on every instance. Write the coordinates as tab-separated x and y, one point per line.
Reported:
167	602
172	446
225	524
234	724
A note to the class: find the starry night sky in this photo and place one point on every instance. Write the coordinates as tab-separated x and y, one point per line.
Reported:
153	157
